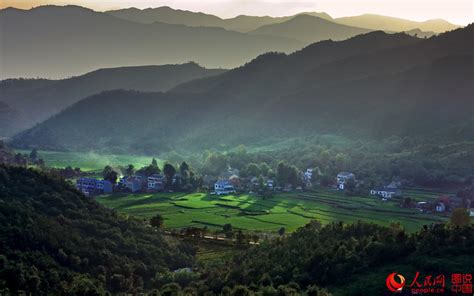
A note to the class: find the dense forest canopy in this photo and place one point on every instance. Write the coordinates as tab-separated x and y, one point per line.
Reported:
54	240
34	100
352	259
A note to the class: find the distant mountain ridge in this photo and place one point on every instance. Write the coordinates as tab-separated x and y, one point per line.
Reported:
165	14
375	85
310	29
61	41
380	22
244	23
52	41
36	100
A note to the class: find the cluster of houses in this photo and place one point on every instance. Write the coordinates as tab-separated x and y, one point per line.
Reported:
445	203
136	183
229	183
385	192
91	186
343	178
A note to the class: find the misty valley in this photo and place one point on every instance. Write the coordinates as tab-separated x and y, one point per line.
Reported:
161	152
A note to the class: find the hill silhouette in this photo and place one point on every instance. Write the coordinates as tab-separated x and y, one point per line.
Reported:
57	42
165	14
245	23
381	22
373	86
37	99
310	29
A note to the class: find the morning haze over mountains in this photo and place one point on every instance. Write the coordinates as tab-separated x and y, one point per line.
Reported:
302	155
58	42
326	65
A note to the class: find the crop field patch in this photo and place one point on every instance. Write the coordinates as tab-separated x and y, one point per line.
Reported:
251	212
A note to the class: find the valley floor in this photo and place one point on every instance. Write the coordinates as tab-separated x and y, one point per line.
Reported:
254	213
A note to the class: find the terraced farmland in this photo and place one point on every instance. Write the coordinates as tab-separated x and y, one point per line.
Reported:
250	212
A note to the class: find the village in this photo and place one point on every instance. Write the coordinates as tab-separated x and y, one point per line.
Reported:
229	182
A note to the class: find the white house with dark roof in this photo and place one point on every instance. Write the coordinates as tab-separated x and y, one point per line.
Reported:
91	186
386	192
342	179
156	182
222	187
134	184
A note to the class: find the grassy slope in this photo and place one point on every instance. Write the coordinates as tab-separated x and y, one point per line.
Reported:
291	210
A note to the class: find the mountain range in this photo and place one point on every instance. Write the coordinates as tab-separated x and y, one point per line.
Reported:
243	23
387	23
61	41
374	85
165	14
29	101
309	29
57	42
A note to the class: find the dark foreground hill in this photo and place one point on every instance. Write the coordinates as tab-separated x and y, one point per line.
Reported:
53	240
349	260
372	86
33	100
57	42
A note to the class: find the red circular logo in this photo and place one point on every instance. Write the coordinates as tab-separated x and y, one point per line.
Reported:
395	282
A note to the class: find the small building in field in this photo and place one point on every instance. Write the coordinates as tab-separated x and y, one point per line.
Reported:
134	184
91	186
156	182
222	187
422	206
440	207
342	179
471	212
386	192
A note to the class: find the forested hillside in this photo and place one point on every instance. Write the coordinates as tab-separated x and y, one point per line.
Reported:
350	260
56	241
53	240
34	100
373	86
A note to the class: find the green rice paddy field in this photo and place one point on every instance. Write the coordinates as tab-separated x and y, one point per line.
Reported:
250	212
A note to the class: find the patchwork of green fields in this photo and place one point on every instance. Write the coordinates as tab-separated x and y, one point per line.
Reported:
250	212
424	194
90	161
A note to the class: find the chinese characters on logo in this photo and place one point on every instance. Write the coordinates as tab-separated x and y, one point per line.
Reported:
461	283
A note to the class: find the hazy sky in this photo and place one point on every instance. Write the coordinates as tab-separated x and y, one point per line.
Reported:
456	11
